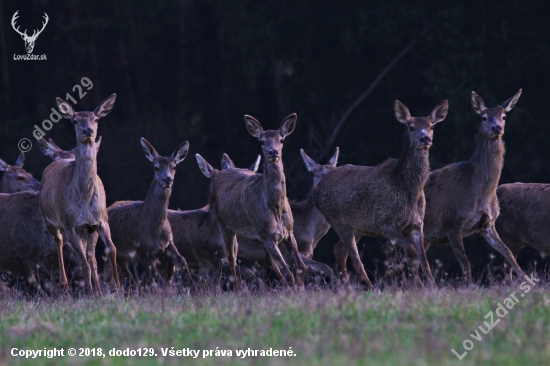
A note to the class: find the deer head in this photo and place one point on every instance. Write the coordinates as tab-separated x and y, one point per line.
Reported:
85	123
16	179
319	170
165	168
493	119
29	40
421	128
271	140
227	163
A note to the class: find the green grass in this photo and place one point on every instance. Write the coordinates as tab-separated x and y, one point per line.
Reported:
323	328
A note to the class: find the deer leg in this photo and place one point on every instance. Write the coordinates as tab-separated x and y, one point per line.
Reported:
91	240
396	237
58	239
80	250
110	250
490	234
292	246
178	259
320	268
455	239
417	237
232	247
349	239
30	278
341	256
275	258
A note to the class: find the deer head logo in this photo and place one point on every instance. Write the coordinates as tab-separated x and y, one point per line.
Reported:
29	40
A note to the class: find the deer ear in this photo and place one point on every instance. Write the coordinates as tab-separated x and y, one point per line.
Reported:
105	107
20	160
149	150
253	126
3	166
401	112
65	108
47	148
511	103
477	103
288	125
254	167
311	165
440	112
227	163
52	143
181	152
334	160
205	168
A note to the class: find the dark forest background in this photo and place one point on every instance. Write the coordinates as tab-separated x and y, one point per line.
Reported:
190	69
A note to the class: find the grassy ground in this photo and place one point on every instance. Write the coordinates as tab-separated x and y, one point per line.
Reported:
323	328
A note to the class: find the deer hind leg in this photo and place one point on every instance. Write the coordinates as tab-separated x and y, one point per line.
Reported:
349	239
58	239
490	234
105	234
341	256
455	239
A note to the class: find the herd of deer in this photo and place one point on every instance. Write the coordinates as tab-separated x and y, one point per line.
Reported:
50	229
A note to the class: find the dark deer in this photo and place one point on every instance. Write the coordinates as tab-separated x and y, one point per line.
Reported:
386	200
255	206
197	237
72	197
309	227
461	198
15	178
29	40
523	218
141	228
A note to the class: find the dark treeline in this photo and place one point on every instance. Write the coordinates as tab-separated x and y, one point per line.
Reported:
190	69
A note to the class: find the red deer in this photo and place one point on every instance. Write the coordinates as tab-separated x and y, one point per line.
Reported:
15	178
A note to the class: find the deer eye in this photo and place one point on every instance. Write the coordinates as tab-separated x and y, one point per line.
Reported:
504	117
484	118
282	140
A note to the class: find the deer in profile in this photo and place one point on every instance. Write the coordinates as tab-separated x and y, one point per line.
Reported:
523	218
26	249
461	198
386	200
15	178
72	197
197	237
255	206
141	228
309	226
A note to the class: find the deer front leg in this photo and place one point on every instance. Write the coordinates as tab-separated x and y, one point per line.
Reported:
80	249
349	239
91	240
490	234
455	239
232	247
277	261
105	234
292	246
58	239
417	237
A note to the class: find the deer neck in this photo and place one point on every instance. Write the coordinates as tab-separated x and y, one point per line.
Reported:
85	175
274	192
155	205
413	168
487	162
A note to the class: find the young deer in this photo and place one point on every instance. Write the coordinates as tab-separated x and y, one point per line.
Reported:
309	226
15	178
197	236
386	200
141	228
255	206
25	246
461	198
72	197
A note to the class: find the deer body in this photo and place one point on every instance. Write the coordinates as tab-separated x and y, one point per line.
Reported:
141	228
461	198
255	206
385	200
72	197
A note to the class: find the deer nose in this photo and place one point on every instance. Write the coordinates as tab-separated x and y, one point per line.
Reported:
496	129
88	132
167	181
426	140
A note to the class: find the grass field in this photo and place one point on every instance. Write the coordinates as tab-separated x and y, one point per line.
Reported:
418	327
